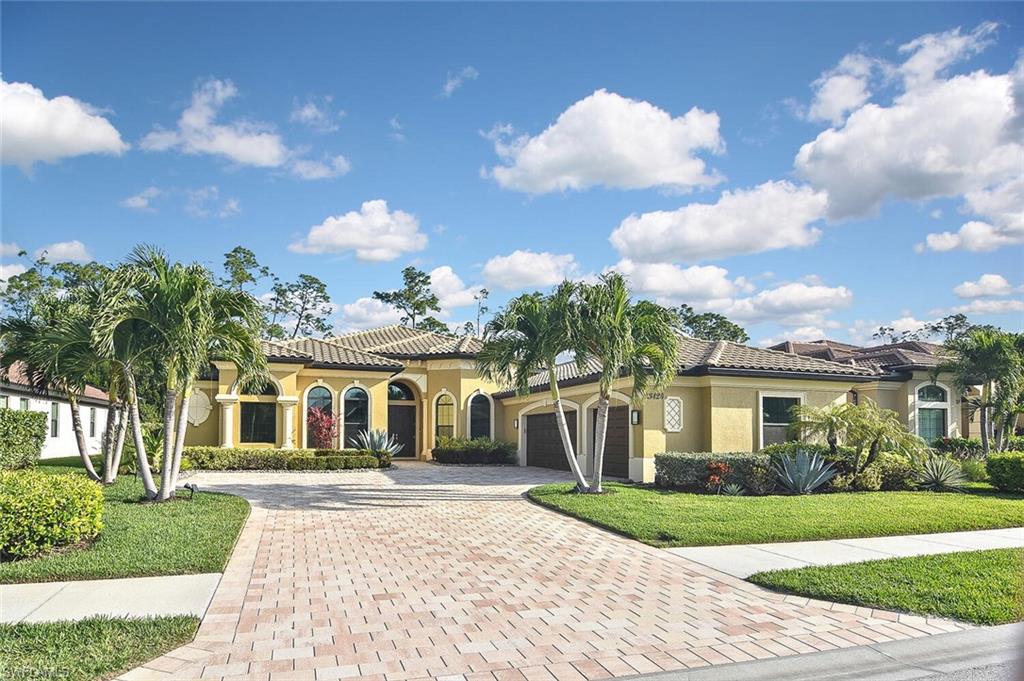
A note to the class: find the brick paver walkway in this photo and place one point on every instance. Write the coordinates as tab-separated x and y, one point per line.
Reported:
447	572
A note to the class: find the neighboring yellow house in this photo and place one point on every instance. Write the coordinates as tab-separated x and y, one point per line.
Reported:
419	386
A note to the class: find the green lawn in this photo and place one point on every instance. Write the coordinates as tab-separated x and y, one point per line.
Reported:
984	587
666	518
97	648
142	539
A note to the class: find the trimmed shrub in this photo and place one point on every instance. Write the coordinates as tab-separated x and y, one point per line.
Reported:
897	472
479	450
974	470
22	434
39	511
961	448
242	459
331	463
1014	443
868	480
842	461
1006	471
689	470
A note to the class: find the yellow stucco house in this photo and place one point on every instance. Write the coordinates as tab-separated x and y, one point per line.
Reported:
419	386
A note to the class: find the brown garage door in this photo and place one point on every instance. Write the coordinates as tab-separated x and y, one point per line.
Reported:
543	442
616	446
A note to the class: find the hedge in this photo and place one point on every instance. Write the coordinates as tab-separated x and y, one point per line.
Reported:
476	451
242	459
961	448
1006	471
39	511
22	434
689	470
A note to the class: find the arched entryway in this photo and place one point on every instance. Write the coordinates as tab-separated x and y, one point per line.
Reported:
403	417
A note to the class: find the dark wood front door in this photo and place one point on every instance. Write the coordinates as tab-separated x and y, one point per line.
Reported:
544	443
402	424
616	444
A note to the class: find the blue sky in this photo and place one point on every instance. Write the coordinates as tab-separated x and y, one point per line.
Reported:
857	164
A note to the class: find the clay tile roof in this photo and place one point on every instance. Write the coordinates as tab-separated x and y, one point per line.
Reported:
399	341
17	377
326	353
697	356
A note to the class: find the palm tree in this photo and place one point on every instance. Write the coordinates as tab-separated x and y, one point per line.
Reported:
831	423
525	338
625	338
987	357
875	429
189	320
56	354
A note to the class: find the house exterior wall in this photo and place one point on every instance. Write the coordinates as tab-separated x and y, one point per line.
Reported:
64	444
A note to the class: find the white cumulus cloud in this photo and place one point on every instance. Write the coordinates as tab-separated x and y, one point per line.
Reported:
523	269
607	139
9	249
34	128
841	90
8	270
143	200
793	304
990	307
769	216
456	80
673	283
941	136
1002	211
366	313
317	114
986	285
65	251
450	290
374	233
206	201
309	169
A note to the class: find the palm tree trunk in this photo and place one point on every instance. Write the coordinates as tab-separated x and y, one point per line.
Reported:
179	439
984	419
122	429
600	433
563	429
141	460
166	489
83	448
107	444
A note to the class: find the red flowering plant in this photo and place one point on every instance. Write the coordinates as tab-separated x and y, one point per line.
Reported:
717	472
322	427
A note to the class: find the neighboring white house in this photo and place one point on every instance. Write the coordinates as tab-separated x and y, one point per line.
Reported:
16	392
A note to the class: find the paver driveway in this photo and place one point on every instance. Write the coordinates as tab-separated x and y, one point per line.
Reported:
430	571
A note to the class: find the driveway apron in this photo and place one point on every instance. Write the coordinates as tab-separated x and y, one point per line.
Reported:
429	571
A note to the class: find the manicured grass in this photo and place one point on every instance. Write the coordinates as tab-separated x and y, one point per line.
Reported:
667	518
97	648
142	539
984	587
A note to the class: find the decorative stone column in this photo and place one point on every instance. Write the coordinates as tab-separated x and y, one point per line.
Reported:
227	419
288	403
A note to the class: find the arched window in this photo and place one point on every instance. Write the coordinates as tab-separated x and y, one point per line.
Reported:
357	414
932	412
399	392
479	417
444	423
319	418
931	393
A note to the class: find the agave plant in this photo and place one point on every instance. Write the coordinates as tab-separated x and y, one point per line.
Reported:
803	473
940	474
733	490
379	441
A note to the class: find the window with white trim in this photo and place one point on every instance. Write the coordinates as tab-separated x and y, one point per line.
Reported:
673	414
92	421
54	419
932	412
776	417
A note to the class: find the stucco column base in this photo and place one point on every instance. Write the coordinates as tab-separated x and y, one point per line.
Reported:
288	403
227	419
641	469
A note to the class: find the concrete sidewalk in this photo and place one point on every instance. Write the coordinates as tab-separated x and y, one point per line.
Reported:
137	597
743	560
995	649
